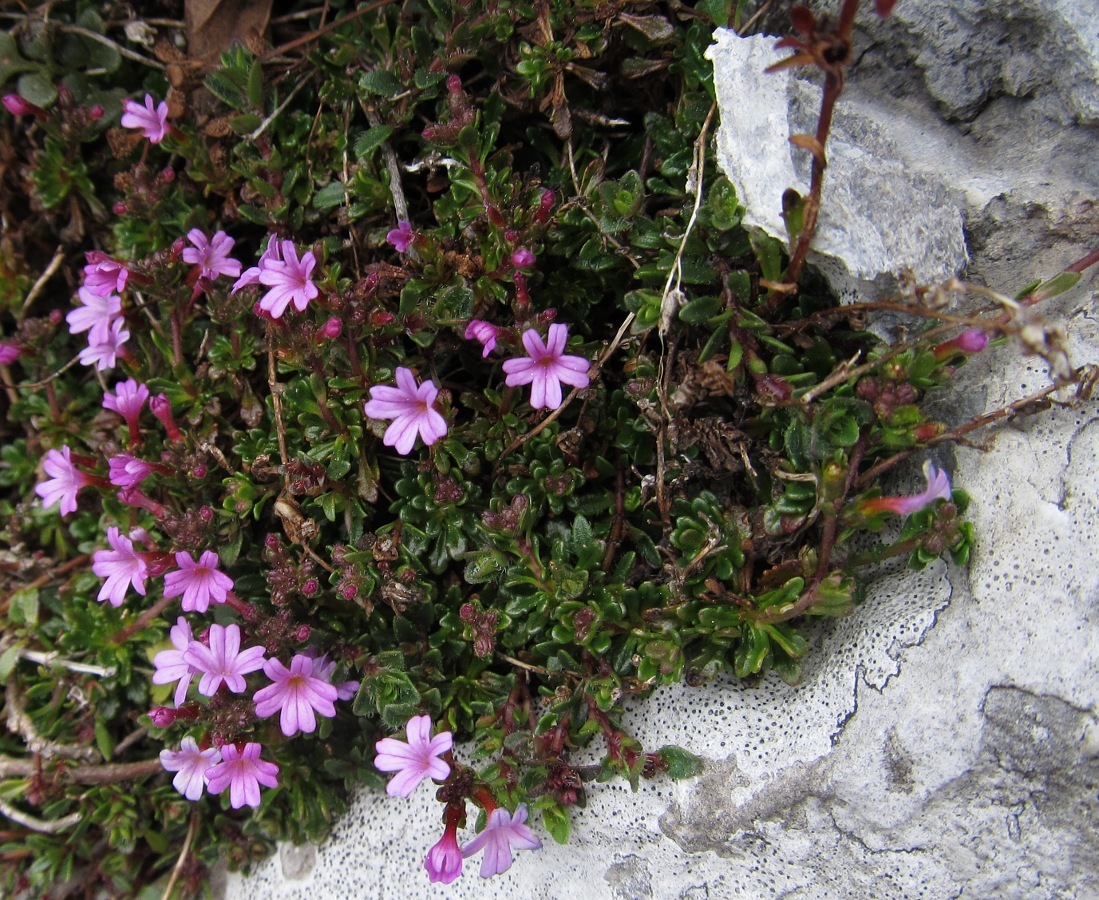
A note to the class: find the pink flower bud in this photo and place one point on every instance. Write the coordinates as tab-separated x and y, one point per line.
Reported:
523	259
162	716
454	84
17	106
119	209
332	329
96	113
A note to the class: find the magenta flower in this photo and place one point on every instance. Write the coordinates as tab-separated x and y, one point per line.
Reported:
242	771
198	582
190	765
161	407
103	275
298	693
128	400
523	259
95	314
103	352
444	860
170	665
502	832
152	121
485	332
128	471
17	106
401	237
9	353
64	483
211	255
546	367
972	340
121	566
223	660
410	406
251	275
938	488
288	280
415	760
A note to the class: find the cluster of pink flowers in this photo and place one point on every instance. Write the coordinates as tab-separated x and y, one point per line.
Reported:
418	758
100	312
287	277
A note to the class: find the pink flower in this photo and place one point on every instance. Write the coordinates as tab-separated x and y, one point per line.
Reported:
17	106
211	255
297	692
198	582
152	121
410	407
103	275
242	771
502	832
128	471
416	760
95	314
64	483
938	488
103	352
485	332
121	566
444	860
170	665
401	237
323	668
128	400
190	765
972	340
523	259
547	367
9	353
251	275
223	660
161	407
288	279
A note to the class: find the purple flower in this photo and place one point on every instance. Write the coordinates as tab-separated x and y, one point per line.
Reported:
297	692
9	353
972	340
64	483
190	765
485	332
103	353
444	860
128	471
95	315
152	121
323	668
415	760
401	237
223	660
242	771
938	488
523	259
288	280
502	832
212	256
103	275
121	566
198	582
546	367
410	407
170	665
251	275
128	400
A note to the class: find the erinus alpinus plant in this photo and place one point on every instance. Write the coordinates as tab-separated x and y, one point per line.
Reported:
389	402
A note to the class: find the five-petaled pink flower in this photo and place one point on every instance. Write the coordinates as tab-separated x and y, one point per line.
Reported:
211	254
170	665
502	832
298	693
121	566
151	120
415	760
401	237
102	352
938	488
128	400
95	314
64	483
104	275
411	408
198	582
190	765
223	660
288	280
485	332
546	366
242	771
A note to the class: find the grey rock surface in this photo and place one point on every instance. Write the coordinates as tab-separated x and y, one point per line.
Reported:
945	741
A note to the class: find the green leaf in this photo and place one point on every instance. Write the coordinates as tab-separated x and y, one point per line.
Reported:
379	83
37	88
8	659
330	196
372	138
225	90
556	821
103	739
679	763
